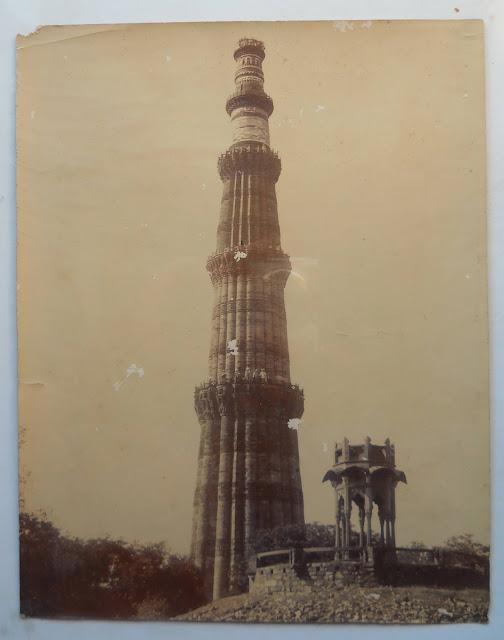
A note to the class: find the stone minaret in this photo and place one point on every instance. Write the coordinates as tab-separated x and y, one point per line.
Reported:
248	463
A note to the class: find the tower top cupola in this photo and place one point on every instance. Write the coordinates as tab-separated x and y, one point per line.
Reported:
249	106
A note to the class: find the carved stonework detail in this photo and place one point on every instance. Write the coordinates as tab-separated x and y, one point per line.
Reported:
206	403
252	160
282	400
265	262
365	475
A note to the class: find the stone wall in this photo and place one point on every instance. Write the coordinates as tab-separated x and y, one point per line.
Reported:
302	577
314	576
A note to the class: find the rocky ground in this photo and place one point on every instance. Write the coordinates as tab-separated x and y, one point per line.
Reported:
391	605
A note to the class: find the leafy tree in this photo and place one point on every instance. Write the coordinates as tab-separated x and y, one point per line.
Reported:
63	576
313	534
465	543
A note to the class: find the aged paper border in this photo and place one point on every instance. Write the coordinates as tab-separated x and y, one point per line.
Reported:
23	16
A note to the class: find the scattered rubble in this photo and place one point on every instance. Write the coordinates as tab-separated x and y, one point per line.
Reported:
352	604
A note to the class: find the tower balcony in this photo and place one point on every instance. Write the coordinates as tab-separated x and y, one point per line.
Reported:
260	260
250	96
248	392
251	159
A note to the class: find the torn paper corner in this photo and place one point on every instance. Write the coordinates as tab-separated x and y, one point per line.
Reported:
53	33
35	32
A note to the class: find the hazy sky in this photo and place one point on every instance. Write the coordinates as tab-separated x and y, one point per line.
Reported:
380	127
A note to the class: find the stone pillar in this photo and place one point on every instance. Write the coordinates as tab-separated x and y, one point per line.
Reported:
260	356
242	235
381	518
223	525
214	338
348	514
230	325
262	215
361	526
283	342
297	492
227	201
210	480
221	360
235	215
288	498
276	369
274	426
388	505
241	320
238	506
205	500
337	537
268	328
348	531
250	330
392	518
196	546
368	505
250	478
344	539
263	475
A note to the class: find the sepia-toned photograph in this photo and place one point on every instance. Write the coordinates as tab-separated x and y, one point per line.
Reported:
252	322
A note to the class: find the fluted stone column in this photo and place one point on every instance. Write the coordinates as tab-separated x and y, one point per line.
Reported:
238	505
196	549
210	480
337	531
214	335
361	526
369	513
223	523
275	427
392	518
241	307
230	325
250	329
221	352
250	481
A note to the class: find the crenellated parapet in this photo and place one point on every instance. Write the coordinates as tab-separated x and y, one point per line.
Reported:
249	46
250	97
260	261
252	159
247	398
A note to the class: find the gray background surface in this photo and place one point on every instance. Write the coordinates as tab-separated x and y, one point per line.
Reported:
23	16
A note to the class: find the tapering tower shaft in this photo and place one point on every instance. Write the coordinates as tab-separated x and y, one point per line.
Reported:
248	468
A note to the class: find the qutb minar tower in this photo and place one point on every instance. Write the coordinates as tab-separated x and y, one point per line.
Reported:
248	463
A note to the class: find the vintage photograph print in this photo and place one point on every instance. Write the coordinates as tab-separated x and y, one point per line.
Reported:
252	319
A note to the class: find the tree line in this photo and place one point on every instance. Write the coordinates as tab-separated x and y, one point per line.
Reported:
63	576
69	577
